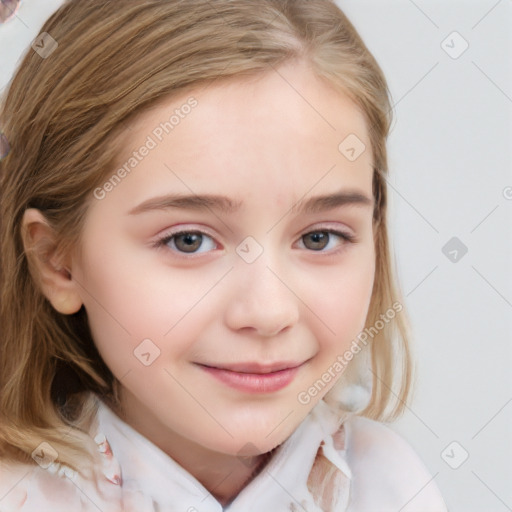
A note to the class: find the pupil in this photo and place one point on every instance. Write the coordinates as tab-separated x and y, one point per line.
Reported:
319	240
191	242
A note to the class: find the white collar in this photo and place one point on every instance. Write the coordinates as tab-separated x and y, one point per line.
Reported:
153	478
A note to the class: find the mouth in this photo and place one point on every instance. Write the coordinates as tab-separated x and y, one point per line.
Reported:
253	377
255	367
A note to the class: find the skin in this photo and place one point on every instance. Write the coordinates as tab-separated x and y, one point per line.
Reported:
264	143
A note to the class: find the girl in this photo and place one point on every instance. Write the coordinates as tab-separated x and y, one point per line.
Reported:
195	265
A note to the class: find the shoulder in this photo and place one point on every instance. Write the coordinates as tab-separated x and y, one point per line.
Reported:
14	478
387	474
30	488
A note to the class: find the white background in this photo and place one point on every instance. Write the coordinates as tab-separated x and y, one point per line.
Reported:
451	163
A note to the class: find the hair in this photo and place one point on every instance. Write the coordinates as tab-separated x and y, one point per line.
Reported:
63	116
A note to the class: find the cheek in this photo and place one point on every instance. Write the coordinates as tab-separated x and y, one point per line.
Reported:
340	299
127	302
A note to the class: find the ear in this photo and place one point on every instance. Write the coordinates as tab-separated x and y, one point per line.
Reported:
51	269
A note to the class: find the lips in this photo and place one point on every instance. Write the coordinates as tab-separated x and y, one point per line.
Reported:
254	377
255	367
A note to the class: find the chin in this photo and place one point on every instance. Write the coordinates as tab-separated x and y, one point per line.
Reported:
249	445
251	439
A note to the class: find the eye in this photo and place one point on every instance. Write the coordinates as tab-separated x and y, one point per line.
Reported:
325	239
197	242
188	242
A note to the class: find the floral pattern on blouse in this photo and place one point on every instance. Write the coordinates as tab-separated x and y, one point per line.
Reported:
309	472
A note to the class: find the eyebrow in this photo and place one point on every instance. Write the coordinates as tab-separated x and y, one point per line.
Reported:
226	205
331	201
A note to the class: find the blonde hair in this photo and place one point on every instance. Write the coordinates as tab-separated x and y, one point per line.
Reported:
62	114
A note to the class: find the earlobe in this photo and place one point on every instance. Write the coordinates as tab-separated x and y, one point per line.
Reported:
51	271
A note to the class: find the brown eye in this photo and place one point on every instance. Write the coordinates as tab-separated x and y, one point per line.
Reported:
188	242
329	240
316	241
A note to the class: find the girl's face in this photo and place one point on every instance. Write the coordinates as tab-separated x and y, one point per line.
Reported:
225	247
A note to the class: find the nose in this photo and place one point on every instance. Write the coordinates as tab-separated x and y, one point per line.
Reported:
262	298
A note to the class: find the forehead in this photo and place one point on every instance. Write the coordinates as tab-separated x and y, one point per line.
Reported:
285	127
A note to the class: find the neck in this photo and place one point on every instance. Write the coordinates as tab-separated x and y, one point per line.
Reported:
223	475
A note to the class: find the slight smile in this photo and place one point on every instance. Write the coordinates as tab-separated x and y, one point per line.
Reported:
254	377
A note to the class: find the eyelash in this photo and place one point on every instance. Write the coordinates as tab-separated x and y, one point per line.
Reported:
162	242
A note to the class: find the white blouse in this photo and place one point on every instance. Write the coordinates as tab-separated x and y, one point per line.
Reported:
360	466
